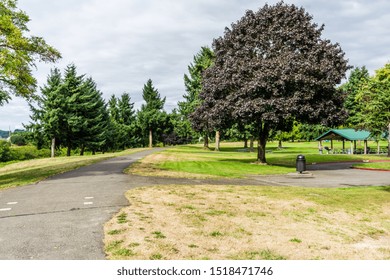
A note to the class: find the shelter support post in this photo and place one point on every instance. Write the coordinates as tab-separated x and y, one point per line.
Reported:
343	145
365	147
320	147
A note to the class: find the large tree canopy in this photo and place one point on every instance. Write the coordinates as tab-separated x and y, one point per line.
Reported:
19	52
373	104
272	66
357	78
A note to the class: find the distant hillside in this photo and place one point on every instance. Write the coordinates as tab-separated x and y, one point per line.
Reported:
4	134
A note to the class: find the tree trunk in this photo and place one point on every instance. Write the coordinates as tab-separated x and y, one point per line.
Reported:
280	146
53	147
217	141
388	140
82	150
206	141
262	141
150	138
252	145
245	143
68	151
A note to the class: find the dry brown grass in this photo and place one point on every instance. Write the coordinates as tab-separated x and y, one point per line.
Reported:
236	222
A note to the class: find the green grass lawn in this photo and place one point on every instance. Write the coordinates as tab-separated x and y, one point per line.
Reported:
31	171
234	161
374	165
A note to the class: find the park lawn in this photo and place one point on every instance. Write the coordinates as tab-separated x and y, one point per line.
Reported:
32	171
232	161
245	222
374	165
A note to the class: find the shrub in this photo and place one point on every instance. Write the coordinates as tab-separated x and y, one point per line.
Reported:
5	151
28	152
18	139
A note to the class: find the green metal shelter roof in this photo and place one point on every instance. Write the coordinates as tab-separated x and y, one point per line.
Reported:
346	134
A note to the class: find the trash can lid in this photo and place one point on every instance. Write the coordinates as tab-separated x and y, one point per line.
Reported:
300	157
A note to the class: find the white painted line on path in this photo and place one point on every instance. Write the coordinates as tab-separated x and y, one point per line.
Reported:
89	197
5	209
12	203
88	203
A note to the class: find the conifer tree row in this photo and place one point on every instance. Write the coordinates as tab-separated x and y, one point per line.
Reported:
70	113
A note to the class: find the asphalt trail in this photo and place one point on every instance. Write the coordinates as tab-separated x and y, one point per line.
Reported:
62	218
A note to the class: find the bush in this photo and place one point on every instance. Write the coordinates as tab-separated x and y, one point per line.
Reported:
28	152
5	151
18	139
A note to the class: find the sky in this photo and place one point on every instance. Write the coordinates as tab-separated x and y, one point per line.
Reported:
123	43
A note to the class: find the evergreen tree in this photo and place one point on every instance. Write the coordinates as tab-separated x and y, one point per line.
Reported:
70	112
193	85
73	92
48	118
113	108
95	118
151	115
123	122
126	110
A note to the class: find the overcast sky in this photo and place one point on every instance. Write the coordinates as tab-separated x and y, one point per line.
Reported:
123	43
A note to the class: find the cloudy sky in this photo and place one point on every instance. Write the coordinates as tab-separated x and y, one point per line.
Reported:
122	43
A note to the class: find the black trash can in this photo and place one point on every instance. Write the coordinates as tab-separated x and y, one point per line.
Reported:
301	163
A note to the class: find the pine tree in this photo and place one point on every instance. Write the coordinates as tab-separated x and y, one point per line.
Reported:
95	118
71	112
48	118
126	109
72	90
123	122
193	85
151	114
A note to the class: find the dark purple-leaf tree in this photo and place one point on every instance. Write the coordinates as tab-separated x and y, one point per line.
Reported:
272	66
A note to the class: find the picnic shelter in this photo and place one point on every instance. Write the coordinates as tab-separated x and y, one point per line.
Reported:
346	134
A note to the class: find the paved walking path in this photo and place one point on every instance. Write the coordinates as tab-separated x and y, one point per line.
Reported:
330	175
63	217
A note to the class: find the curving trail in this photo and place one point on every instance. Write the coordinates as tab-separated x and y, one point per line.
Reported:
63	217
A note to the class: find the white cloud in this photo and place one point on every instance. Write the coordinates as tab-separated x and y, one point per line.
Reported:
122	43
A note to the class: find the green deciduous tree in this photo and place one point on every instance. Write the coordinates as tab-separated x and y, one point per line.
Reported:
273	67
357	78
373	104
18	53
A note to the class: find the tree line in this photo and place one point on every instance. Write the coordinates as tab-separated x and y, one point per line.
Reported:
270	76
71	113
